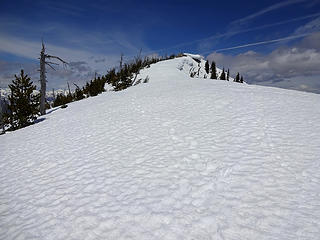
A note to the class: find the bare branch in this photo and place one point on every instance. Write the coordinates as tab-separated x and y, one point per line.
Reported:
53	63
50	66
61	60
76	85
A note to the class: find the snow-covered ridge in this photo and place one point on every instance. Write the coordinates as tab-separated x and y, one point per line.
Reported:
177	158
190	63
194	56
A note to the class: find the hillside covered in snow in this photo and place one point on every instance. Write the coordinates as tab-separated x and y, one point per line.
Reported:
174	158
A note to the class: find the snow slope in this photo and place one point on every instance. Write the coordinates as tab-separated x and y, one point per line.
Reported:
176	158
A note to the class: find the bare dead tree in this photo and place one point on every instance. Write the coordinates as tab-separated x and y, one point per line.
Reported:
121	60
43	62
69	89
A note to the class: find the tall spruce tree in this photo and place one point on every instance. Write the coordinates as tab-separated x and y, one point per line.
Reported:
228	75
213	70
24	106
207	67
223	75
241	79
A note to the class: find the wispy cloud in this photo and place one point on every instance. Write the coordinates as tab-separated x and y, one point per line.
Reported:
60	7
205	45
262	42
31	49
312	26
9	69
266	10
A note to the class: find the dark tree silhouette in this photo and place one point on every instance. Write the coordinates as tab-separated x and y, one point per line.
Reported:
213	70
237	79
207	67
223	75
23	107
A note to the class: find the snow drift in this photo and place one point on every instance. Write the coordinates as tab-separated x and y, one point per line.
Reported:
176	158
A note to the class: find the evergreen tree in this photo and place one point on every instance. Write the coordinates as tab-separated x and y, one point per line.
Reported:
228	75
78	95
237	79
207	67
122	79
213	70
223	75
23	107
86	89
241	79
62	100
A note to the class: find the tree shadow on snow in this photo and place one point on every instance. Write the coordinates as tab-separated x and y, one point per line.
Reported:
53	110
39	120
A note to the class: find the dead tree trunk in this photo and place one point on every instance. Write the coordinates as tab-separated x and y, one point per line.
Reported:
43	81
69	89
121	60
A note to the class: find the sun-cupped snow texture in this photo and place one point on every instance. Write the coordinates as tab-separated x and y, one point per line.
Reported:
176	158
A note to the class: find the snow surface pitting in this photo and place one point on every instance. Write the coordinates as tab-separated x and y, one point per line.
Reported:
177	158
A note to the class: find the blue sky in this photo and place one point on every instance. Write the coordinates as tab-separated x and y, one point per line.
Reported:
92	34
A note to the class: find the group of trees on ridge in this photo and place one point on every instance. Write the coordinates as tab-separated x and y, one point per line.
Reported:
212	70
120	79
